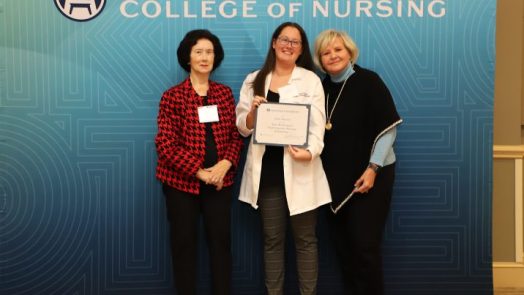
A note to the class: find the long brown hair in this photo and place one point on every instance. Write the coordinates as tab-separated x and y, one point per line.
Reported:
304	60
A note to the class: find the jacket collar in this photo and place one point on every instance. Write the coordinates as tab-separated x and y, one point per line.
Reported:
189	88
295	75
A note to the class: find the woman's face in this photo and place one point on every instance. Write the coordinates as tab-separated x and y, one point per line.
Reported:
335	57
202	57
288	45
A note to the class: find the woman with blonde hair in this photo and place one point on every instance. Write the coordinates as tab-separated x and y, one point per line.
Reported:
358	158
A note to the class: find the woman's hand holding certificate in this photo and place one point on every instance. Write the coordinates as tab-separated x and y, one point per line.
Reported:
282	124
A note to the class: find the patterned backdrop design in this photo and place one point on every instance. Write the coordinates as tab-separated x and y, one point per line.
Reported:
82	213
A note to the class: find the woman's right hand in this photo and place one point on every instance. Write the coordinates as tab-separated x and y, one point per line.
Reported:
206	177
250	119
203	175
257	101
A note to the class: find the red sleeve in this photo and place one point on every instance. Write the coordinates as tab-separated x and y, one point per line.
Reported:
169	141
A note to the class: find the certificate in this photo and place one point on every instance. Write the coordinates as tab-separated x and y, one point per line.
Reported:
282	124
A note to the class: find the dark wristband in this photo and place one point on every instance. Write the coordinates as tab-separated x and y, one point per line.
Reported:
374	167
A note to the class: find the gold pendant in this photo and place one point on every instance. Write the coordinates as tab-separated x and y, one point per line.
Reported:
329	125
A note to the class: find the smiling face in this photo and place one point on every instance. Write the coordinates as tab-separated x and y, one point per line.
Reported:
335	57
288	45
202	57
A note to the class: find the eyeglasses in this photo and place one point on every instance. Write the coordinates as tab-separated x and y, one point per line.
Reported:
284	41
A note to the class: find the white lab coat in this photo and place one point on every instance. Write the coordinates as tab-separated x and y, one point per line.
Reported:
305	182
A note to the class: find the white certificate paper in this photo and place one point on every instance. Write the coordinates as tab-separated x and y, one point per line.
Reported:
282	124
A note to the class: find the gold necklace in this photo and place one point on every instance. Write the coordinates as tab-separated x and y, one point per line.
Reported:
329	125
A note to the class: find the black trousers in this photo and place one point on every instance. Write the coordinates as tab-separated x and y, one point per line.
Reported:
183	212
357	231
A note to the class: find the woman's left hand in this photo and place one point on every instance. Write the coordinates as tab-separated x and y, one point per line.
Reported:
299	154
218	172
366	181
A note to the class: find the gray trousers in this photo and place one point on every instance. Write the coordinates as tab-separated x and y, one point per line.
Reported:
274	212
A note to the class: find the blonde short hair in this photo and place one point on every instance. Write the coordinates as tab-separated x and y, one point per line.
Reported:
325	38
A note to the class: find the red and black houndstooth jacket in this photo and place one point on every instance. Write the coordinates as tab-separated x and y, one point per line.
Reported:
180	141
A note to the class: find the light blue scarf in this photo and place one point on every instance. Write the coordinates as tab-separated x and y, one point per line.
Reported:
343	75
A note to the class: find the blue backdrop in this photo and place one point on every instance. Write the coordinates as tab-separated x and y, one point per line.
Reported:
81	211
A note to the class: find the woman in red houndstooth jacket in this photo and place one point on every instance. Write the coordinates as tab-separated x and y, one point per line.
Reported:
198	147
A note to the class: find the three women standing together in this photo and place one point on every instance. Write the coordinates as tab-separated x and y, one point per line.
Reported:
352	124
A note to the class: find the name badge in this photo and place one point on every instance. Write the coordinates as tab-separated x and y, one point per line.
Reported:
208	114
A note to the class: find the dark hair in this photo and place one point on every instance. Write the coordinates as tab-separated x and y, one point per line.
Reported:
304	60
190	39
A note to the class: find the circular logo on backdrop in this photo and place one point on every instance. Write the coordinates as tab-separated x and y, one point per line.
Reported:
80	10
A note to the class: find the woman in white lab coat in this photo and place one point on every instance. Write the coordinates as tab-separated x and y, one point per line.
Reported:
286	180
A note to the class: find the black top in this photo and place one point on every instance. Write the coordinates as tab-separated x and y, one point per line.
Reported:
272	162
211	157
364	111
